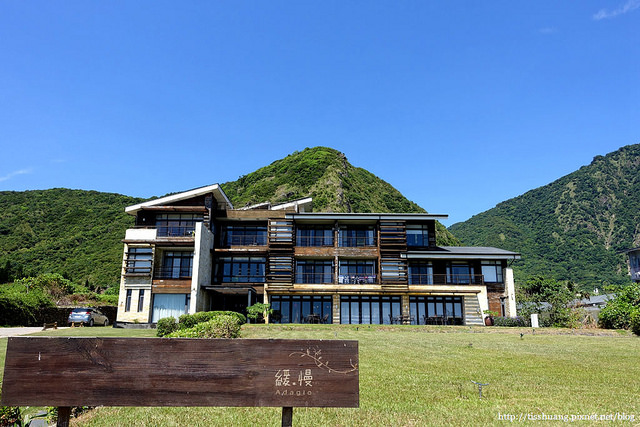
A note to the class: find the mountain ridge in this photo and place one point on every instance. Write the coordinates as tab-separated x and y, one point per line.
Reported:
572	228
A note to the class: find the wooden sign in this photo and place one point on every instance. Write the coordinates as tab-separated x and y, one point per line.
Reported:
54	371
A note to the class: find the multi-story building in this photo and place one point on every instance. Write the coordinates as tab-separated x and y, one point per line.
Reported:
634	263
193	251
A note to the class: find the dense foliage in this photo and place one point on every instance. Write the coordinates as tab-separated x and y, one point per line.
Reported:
335	185
168	326
549	297
572	229
24	301
619	311
221	326
71	232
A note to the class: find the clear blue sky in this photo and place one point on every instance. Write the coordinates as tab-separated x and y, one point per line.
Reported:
458	104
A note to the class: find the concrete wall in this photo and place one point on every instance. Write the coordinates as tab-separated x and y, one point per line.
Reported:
202	268
510	293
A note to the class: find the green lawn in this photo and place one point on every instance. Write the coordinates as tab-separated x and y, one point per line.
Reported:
414	376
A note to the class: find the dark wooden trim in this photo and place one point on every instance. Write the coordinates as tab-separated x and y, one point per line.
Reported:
180	372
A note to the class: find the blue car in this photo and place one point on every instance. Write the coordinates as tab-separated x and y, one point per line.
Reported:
87	316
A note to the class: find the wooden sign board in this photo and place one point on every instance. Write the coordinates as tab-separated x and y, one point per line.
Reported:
54	371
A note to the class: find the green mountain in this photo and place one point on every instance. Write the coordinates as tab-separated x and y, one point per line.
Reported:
75	233
79	233
573	228
335	185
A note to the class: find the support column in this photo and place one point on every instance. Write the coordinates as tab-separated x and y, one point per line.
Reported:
336	309
406	309
510	293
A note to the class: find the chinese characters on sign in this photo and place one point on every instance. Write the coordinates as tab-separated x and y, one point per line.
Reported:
298	386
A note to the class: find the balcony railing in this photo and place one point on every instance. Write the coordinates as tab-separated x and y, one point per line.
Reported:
352	242
357	279
446	279
309	241
178	231
172	273
242	279
314	278
246	239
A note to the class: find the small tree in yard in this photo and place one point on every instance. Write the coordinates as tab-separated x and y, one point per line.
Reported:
619	312
542	294
258	311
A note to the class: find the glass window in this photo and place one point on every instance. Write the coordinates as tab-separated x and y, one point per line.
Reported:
357	271
369	309
417	235
140	300
420	273
314	271
436	310
314	235
357	236
244	235
177	225
139	260
127	303
301	309
175	265
240	269
460	273
492	271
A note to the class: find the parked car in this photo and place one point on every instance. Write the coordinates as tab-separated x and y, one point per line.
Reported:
88	316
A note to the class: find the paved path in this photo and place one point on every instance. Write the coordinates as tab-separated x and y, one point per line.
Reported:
12	332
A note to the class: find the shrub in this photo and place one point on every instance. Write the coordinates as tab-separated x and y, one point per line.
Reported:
221	326
190	320
10	416
257	311
510	321
635	322
617	313
22	309
165	326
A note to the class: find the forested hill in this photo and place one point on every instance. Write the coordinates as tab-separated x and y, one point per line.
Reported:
335	185
573	228
76	233
79	233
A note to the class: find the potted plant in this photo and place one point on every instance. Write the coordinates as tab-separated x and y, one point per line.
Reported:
488	321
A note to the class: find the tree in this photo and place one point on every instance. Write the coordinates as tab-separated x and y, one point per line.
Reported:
542	294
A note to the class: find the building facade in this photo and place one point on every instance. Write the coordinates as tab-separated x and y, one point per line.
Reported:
193	251
634	264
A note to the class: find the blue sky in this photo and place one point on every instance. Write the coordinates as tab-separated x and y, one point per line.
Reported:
460	105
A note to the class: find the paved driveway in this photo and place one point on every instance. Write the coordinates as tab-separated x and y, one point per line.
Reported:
12	332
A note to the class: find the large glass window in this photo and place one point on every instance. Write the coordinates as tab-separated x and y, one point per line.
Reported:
417	235
460	273
492	271
314	271
170	305
139	260
244	235
240	269
363	309
177	225
357	271
175	265
357	236
436	310
420	273
300	309
314	235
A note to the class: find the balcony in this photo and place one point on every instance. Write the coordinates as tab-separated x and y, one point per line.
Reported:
314	241
172	273
181	231
326	278
259	239
446	279
357	279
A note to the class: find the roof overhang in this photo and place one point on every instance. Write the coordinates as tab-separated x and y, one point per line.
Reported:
218	194
367	216
465	252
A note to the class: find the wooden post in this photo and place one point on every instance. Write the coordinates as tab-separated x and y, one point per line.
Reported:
287	416
64	414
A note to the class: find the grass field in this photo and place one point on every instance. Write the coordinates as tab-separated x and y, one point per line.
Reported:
414	376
